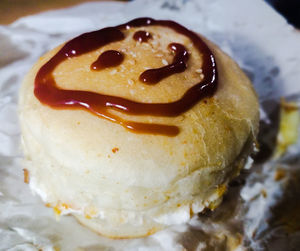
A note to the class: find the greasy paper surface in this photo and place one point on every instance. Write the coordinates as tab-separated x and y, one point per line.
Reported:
263	212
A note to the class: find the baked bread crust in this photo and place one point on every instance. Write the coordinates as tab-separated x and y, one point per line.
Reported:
124	184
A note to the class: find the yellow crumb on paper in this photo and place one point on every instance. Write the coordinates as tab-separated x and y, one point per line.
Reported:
279	174
26	176
56	248
56	211
288	127
90	212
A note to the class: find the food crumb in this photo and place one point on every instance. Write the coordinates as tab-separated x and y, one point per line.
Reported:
64	206
279	174
264	193
56	248
191	211
151	231
26	176
56	211
114	150
221	189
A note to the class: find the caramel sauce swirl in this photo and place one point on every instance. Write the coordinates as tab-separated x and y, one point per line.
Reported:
153	76
48	93
107	59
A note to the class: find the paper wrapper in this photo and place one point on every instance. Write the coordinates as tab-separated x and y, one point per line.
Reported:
261	208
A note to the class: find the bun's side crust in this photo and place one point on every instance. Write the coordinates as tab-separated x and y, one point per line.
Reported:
123	184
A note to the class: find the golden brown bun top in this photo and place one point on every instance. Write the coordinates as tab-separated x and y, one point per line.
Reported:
212	133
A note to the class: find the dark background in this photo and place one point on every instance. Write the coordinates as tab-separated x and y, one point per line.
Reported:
288	8
11	10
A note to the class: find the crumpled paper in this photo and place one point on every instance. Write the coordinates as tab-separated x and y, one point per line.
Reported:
260	210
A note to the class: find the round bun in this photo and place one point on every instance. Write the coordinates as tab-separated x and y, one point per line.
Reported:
124	183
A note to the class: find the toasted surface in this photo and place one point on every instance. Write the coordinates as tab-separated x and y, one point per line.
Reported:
104	172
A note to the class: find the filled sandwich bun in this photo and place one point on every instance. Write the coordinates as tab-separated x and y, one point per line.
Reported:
136	127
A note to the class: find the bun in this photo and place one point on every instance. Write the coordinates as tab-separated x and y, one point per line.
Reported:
124	181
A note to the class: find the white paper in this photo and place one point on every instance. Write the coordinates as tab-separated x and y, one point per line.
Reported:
259	39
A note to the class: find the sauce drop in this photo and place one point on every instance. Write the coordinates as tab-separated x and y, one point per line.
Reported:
142	36
107	59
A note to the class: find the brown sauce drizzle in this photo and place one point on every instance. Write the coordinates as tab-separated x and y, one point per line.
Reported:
142	36
107	59
153	76
99	104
